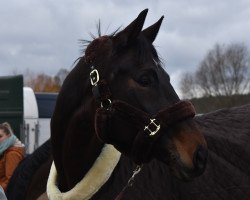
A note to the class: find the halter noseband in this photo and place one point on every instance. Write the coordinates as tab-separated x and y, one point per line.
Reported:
150	127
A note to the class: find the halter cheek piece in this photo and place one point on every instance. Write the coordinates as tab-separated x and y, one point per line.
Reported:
150	128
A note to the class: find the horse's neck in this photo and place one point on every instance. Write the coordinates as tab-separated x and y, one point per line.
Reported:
74	144
79	154
75	147
80	150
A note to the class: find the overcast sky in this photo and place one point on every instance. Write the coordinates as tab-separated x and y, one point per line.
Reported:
43	35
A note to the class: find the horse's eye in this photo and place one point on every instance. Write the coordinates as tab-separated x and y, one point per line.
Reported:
145	80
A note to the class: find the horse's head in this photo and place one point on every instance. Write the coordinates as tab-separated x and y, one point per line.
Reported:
142	116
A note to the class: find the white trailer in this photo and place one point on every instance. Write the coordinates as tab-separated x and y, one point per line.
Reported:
30	134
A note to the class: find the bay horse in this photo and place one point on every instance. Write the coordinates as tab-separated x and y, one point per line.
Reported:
118	100
119	131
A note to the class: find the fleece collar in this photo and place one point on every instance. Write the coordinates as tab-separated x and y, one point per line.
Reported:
93	180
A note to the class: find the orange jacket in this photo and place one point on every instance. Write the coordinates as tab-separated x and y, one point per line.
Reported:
8	163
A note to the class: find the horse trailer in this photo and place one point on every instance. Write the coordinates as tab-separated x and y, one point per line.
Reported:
19	108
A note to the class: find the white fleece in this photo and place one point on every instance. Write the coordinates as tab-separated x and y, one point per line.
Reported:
91	182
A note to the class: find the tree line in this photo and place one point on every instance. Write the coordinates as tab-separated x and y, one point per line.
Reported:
44	82
222	79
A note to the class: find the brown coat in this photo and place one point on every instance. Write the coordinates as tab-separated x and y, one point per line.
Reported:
8	163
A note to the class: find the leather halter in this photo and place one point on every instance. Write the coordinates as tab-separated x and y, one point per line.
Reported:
150	127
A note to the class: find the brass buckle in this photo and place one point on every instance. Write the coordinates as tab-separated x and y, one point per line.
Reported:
156	127
106	104
94	77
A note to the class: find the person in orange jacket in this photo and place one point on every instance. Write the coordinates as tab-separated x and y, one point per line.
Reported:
12	151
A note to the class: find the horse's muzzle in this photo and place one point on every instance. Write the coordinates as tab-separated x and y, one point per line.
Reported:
200	159
199	165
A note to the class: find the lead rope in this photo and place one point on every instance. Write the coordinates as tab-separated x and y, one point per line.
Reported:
130	182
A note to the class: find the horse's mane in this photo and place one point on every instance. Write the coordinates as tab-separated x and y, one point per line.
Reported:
23	174
86	42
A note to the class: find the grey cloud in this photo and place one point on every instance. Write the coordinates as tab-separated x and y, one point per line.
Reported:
43	35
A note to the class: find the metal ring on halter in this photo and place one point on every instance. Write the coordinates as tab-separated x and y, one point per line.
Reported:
106	103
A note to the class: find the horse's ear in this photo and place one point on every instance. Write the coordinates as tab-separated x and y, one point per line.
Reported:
151	32
132	31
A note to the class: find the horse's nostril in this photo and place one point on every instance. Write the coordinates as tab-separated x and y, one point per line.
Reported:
200	158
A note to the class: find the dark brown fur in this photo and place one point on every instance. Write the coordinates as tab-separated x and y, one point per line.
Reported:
128	55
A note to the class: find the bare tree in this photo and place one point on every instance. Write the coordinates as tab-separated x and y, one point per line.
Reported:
224	71
28	77
187	86
61	75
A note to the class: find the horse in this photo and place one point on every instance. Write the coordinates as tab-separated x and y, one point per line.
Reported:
116	111
119	131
